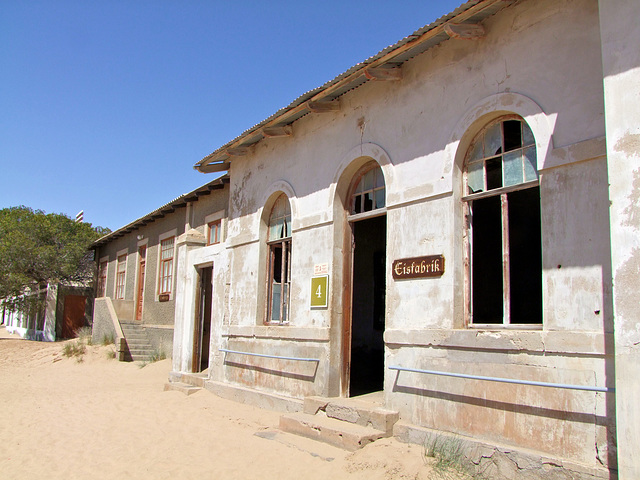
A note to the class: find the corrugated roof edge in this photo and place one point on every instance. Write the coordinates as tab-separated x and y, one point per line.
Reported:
221	180
305	96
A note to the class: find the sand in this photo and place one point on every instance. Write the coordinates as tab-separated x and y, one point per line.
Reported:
103	419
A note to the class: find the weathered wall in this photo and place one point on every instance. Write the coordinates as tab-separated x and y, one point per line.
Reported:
541	60
621	64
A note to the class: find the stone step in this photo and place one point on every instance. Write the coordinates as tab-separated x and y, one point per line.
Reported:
181	387
357	410
338	433
195	379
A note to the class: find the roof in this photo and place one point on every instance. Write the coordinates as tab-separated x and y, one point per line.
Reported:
383	65
181	201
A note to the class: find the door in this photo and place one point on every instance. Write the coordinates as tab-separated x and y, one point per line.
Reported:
202	324
142	257
73	316
368	290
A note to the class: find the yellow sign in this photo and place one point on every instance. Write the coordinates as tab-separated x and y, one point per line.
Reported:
319	291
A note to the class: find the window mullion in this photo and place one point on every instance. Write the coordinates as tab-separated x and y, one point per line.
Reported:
506	290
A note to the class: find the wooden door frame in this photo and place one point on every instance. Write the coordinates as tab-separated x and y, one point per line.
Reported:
142	265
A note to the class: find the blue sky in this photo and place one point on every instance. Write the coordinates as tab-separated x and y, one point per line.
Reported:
106	105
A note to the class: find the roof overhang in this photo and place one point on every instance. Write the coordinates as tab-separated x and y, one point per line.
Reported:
463	23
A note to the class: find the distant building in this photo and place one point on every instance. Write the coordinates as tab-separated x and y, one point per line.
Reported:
139	266
60	312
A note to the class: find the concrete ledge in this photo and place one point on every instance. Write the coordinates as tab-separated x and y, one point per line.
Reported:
564	343
501	462
256	398
284	332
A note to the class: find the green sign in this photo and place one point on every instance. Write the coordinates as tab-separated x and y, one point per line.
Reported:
319	291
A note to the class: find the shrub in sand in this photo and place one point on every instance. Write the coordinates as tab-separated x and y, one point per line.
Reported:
448	457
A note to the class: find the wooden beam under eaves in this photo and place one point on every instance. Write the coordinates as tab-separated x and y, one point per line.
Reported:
213	167
323	106
464	31
283	131
237	151
383	73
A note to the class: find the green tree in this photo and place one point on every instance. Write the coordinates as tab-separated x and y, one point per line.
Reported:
38	248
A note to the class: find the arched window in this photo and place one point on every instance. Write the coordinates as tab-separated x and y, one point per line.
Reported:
279	266
369	192
504	235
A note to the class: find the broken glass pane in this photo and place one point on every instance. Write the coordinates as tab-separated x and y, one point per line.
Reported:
512	139
494	173
475	178
357	204
368	201
530	170
513	168
493	141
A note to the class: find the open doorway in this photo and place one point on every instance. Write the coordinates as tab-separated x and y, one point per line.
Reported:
202	325
368	305
365	283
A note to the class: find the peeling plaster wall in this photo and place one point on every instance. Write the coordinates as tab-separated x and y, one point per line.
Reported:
621	63
540	59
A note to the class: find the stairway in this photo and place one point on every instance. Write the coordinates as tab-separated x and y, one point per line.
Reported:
186	383
138	345
349	423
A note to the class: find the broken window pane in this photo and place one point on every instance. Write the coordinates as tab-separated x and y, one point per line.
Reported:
368	201
512	139
493	141
369	192
513	168
494	173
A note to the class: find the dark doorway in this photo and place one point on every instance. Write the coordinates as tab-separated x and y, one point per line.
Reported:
368	306
202	327
73	316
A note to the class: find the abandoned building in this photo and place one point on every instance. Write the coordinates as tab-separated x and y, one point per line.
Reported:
138	264
449	227
59	312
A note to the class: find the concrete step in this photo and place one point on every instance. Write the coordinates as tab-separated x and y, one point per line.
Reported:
357	410
181	387
338	433
195	379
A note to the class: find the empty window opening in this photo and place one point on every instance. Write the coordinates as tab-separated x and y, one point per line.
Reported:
504	233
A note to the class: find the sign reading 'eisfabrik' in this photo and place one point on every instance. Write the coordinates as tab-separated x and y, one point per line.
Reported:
418	267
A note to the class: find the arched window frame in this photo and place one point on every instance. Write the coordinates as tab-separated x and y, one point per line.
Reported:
368	193
495	194
279	262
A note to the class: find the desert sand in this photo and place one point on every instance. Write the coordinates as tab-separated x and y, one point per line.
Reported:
103	419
